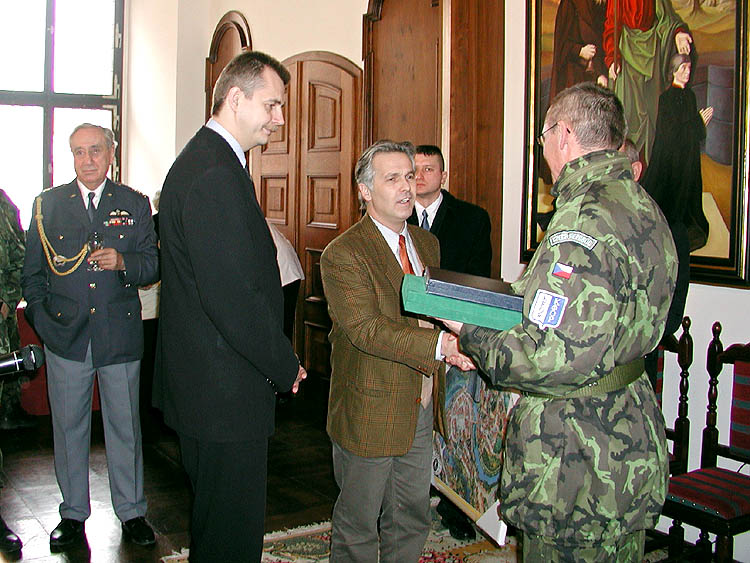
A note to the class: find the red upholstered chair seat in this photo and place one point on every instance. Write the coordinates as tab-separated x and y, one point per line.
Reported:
717	491
716	500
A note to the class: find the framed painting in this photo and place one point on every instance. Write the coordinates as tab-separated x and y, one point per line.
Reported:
573	41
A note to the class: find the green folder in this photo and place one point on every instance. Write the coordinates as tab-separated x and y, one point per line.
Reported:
417	300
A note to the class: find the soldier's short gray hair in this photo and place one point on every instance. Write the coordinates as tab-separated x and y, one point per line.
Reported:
594	114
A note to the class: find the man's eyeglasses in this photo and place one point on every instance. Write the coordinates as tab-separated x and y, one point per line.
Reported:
540	138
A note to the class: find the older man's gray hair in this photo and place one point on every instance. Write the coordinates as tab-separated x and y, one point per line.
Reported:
109	137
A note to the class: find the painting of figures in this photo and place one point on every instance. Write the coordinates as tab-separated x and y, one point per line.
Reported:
680	69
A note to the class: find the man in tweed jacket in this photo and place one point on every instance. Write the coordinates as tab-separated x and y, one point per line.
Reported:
384	368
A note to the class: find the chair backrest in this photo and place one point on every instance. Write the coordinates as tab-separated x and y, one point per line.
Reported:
679	434
738	448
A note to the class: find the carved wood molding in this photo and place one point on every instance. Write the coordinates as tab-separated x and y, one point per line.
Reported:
232	19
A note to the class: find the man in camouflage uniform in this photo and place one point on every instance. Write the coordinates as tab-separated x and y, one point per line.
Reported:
11	263
585	469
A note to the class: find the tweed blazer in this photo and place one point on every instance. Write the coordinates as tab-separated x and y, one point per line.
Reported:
379	354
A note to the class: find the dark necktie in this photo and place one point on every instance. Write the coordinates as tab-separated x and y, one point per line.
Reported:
405	264
91	209
425	224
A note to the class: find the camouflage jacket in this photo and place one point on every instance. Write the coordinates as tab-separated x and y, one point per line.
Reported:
596	295
11	263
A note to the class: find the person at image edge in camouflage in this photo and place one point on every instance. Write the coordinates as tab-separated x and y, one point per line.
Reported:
12	249
583	477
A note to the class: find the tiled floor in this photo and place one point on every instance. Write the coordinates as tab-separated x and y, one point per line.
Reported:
301	489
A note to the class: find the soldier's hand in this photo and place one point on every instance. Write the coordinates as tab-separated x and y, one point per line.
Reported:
462	362
4	310
107	259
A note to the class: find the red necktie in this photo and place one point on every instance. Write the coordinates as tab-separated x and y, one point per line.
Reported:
405	264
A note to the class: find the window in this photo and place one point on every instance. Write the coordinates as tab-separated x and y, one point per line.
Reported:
60	65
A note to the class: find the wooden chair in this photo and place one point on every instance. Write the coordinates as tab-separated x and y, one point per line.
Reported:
679	434
713	499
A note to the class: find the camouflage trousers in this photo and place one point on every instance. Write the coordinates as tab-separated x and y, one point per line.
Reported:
624	549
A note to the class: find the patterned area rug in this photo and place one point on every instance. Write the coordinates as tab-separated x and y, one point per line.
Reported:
311	544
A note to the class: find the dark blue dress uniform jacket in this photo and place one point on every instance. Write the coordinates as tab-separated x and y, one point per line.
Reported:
103	307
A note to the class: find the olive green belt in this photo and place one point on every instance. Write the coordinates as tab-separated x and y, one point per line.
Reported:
617	379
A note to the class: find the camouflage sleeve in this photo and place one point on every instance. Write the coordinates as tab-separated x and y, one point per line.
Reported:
565	340
11	253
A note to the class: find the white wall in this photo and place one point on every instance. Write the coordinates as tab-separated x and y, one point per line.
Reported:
705	304
150	79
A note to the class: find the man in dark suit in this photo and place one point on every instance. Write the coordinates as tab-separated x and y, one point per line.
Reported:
462	228
384	366
83	303
222	354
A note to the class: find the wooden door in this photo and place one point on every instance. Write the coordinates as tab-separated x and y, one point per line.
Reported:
402	49
304	180
230	38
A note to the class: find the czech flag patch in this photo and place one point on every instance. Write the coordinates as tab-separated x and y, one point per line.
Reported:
562	271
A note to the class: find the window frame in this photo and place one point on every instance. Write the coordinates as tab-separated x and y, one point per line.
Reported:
49	100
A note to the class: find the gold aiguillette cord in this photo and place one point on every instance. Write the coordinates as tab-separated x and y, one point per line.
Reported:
53	258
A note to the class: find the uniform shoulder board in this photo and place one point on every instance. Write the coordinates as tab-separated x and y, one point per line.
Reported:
54	188
132	190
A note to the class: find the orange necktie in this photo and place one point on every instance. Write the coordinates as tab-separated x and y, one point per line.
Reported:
405	264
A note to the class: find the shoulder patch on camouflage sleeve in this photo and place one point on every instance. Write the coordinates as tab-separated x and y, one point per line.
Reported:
577	237
547	309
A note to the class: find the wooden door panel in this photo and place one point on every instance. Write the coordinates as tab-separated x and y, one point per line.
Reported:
323	201
325	118
274	171
402	47
275	191
304	181
327	145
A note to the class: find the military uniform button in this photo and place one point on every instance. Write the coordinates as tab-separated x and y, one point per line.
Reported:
121	235
92	310
59	314
61	237
92	285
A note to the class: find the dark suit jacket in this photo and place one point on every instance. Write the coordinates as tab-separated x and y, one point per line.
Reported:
222	350
378	354
463	230
103	307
